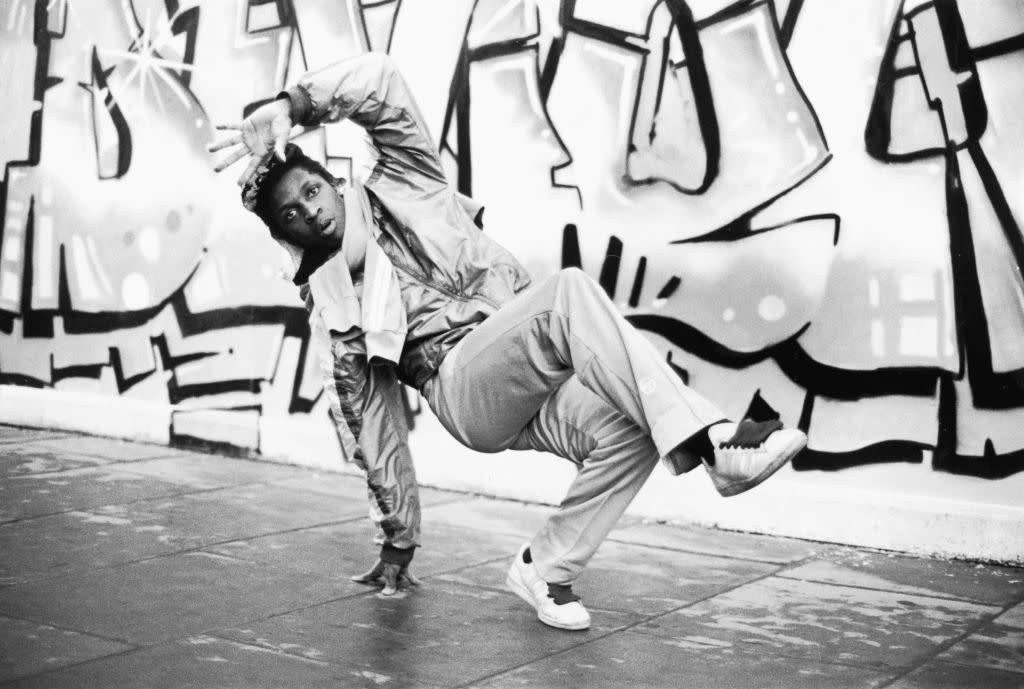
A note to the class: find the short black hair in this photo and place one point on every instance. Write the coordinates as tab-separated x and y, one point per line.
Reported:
293	158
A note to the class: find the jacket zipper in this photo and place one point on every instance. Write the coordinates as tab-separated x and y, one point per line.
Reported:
443	290
411	272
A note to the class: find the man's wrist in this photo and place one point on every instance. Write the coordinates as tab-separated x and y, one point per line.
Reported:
300	105
397	556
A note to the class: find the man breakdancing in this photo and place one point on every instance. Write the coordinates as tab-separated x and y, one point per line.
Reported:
402	286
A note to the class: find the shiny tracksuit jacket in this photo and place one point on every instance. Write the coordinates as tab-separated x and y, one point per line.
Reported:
431	275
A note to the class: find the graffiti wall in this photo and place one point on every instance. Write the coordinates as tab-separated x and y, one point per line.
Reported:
816	204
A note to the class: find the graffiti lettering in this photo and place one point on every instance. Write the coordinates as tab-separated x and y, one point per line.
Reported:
817	195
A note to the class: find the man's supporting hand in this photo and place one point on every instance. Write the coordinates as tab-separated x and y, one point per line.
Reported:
389	575
262	133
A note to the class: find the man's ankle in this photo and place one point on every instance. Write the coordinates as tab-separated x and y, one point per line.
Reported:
750	434
699	444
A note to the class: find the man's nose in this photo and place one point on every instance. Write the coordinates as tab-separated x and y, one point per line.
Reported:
312	213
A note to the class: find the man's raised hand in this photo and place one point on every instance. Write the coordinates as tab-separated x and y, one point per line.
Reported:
389	575
263	133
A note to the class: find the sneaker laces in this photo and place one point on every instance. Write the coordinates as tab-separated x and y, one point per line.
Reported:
751	434
562	594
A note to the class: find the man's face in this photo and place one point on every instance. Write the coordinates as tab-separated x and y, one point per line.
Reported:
307	210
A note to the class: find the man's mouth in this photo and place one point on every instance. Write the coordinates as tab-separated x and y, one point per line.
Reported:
328	227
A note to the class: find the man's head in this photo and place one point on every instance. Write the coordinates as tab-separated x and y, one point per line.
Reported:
299	201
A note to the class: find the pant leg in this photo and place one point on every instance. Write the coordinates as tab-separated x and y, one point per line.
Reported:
495	380
615	458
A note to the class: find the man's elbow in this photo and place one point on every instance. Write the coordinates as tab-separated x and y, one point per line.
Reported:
381	62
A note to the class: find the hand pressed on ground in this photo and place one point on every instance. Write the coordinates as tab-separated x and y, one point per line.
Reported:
388	575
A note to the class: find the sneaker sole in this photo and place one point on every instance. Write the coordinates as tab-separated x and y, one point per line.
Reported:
519	588
791	451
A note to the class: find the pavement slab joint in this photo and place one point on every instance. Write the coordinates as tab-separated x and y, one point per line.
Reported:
224	572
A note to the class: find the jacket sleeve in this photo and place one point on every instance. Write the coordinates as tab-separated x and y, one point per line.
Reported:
369	90
368	398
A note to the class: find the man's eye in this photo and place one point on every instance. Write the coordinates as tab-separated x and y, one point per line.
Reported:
289	215
313	191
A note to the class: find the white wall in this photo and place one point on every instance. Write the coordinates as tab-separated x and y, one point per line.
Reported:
819	202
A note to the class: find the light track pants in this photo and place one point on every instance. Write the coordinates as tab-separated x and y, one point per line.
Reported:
558	369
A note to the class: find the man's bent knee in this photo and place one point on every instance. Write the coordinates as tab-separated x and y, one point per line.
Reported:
574	279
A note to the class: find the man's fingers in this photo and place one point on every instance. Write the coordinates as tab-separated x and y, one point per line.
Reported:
412	579
370	576
279	144
231	160
224	143
408	581
250	169
389	576
390	579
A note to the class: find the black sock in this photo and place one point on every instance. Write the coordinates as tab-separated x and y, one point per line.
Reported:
753	433
527	558
700	445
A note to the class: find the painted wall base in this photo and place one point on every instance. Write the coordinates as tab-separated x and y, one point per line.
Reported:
901	507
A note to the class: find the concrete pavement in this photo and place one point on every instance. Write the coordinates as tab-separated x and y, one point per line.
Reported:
131	565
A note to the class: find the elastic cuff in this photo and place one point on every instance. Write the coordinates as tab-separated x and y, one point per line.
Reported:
301	103
668	433
397	556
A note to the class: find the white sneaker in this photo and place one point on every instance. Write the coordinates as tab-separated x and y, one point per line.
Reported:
526	583
738	469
